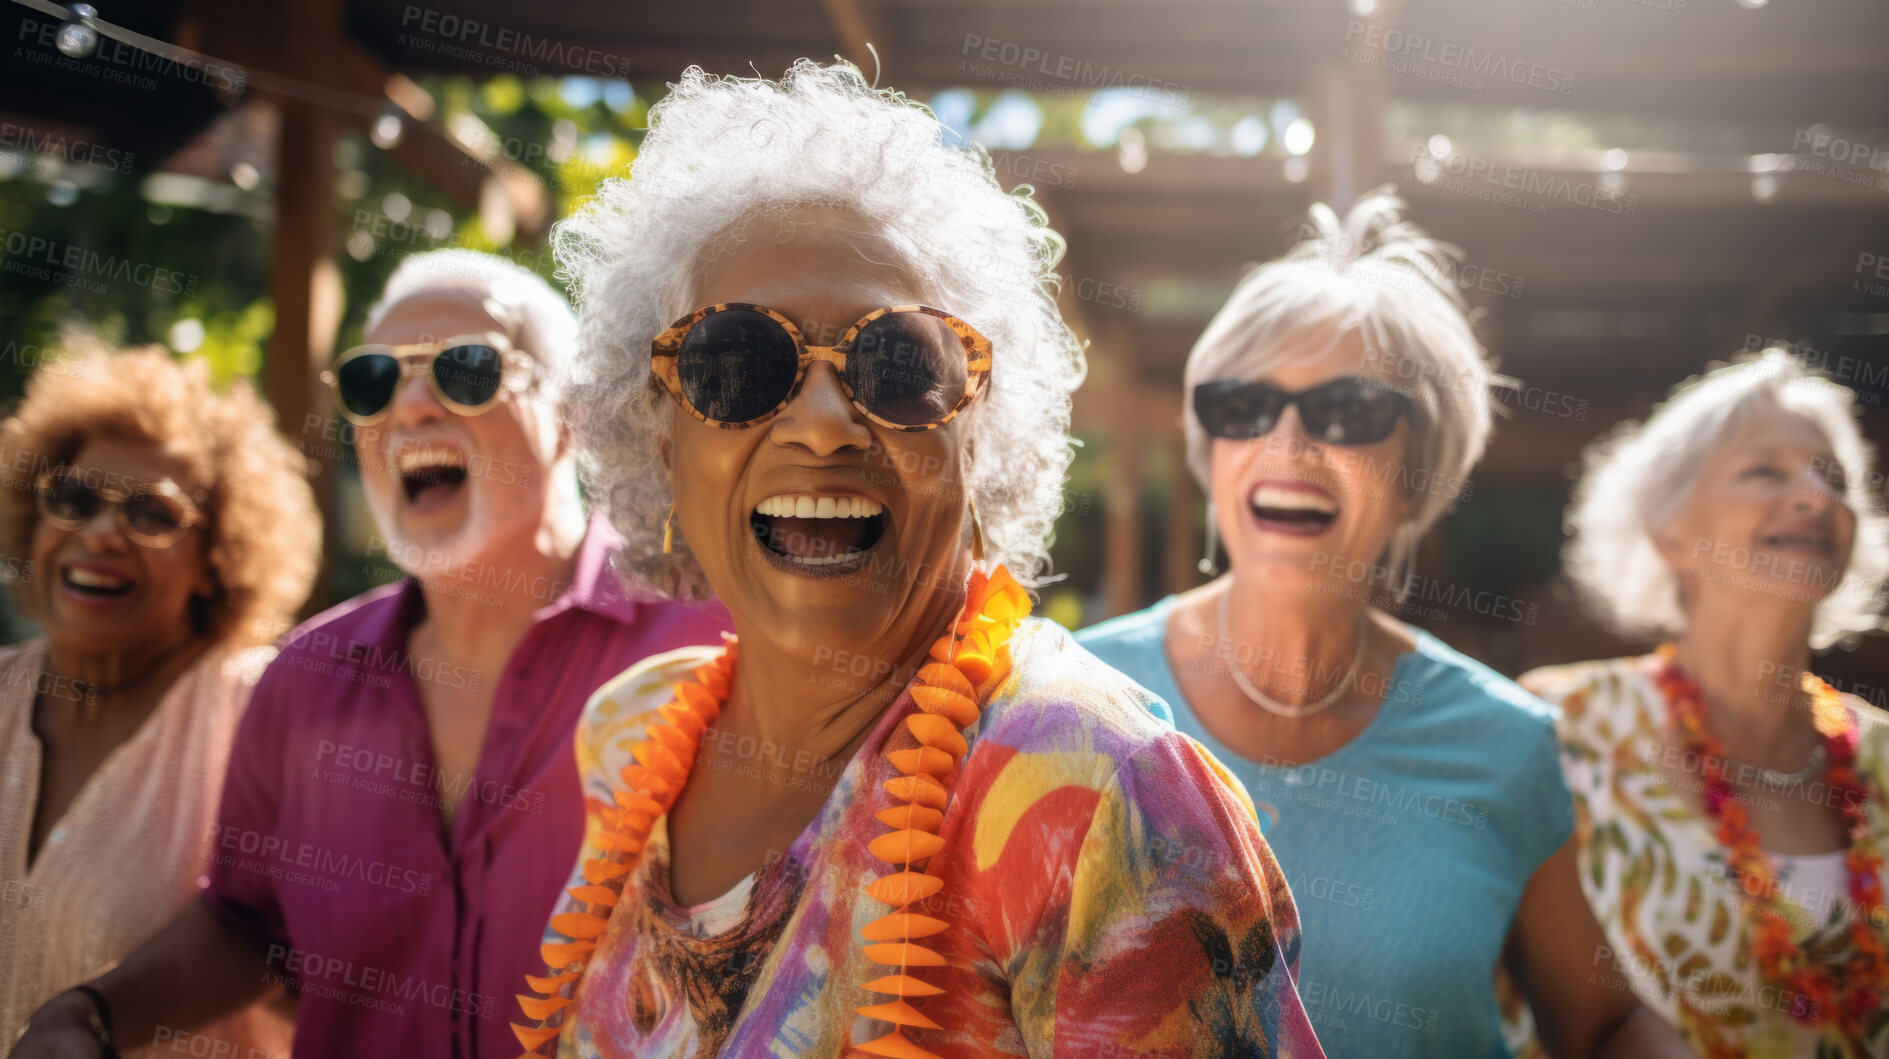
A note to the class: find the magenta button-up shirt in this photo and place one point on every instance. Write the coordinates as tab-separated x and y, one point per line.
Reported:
328	852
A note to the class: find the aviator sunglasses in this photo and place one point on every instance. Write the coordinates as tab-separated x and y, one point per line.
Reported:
1350	410
905	367
469	374
154	514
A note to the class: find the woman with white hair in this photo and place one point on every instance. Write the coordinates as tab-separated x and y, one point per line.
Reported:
1335	407
822	374
1731	805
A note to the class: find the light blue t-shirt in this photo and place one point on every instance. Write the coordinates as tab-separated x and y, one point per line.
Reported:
1407	849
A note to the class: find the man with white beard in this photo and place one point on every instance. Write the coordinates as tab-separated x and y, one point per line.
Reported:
402	805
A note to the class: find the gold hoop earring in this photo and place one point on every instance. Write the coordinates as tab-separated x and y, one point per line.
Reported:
669	530
977	535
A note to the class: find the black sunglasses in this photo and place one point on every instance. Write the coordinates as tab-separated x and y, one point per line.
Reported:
469	375
1349	410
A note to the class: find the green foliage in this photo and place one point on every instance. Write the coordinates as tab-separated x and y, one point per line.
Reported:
111	260
234	339
126	269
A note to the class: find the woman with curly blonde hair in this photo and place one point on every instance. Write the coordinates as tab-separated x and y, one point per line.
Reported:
160	532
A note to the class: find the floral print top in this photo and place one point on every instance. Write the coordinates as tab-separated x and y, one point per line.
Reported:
1105	882
1653	870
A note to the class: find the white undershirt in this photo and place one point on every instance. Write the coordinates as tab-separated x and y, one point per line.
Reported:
1814	882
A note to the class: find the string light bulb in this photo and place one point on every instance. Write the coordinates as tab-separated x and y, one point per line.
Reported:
77	38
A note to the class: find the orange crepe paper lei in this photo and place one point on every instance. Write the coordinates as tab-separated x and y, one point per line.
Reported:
966	664
1848	996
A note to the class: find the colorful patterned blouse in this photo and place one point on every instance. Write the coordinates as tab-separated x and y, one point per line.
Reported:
1107	887
1656	876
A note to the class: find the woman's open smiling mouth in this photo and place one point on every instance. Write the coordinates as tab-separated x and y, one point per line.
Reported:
816	532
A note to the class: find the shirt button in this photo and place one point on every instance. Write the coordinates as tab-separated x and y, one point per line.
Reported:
58	835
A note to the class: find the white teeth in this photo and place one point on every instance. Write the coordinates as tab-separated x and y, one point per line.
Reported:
821	560
1292	500
89	579
421	457
802	506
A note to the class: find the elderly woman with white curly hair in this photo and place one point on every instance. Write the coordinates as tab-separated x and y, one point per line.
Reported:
1732	805
822	375
1335	408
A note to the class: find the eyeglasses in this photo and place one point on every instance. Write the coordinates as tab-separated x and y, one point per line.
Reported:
155	514
905	367
1350	410
469	374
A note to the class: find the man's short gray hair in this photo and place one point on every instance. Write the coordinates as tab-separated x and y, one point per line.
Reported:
535	315
1638	479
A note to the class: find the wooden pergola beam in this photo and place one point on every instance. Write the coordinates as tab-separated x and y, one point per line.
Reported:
468	174
296	51
861	29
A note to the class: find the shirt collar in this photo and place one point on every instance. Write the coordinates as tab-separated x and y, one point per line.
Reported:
594	587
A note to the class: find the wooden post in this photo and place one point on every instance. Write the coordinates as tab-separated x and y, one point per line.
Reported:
304	280
1346	102
306	287
1122	547
1181	548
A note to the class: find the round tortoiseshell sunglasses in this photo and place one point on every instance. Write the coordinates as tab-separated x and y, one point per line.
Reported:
905	367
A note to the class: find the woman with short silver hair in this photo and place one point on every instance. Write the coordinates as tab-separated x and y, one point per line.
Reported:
1335	408
822	375
1732	805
